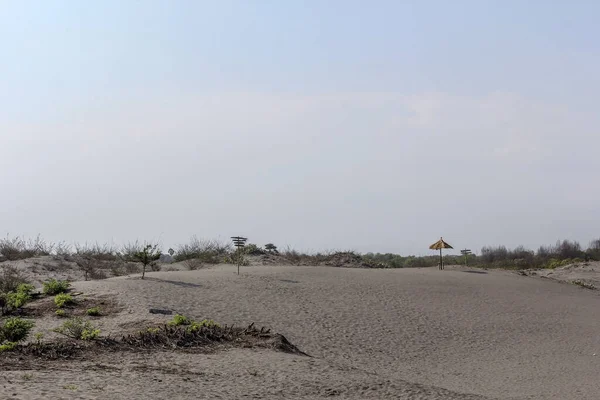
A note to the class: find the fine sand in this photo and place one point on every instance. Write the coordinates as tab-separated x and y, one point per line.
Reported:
371	334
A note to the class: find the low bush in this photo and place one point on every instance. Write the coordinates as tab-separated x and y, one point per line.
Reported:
77	328
207	251
15	329
205	323
61	313
63	299
192	326
93	312
179	319
193	264
18	248
20	297
254	250
54	287
10	279
7	346
97	252
557	263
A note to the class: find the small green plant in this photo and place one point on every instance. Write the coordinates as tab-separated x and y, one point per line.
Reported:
79	329
70	387
38	338
192	326
27	377
15	300
15	329
90	334
63	299
8	346
25	288
152	330
60	313
179	319
93	312
205	323
53	287
19	297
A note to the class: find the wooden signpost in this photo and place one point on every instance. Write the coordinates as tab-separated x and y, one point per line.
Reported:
466	253
239	242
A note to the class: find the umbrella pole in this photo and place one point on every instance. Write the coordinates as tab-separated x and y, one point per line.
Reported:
441	259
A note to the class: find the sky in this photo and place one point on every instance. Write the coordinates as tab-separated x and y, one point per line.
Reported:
319	125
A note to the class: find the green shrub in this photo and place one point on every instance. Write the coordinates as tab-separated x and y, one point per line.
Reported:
10	278
15	329
25	288
93	312
16	300
63	299
79	329
90	334
38	337
179	319
53	287
61	313
208	323
7	346
254	250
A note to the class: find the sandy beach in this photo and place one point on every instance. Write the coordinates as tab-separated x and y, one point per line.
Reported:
406	333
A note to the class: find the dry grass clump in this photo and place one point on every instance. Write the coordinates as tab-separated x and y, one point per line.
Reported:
10	278
331	258
17	248
206	251
97	251
78	329
193	264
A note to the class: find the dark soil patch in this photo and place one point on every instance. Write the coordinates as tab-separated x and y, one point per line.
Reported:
165	338
46	306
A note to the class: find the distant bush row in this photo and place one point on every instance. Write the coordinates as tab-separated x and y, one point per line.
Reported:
199	252
562	253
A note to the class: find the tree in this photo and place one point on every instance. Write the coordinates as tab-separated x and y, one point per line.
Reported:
147	256
271	248
87	264
593	251
253	250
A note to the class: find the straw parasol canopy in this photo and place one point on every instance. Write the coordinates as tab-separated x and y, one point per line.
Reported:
439	245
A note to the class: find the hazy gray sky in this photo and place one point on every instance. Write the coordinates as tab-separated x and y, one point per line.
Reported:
373	126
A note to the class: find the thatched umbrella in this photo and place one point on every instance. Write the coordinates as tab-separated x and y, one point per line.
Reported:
439	245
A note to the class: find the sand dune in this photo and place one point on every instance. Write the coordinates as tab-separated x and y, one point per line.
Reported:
407	333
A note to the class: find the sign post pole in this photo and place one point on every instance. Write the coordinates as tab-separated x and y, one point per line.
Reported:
239	242
466	253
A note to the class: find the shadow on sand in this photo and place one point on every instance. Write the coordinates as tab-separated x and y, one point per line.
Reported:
475	272
289	281
176	283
